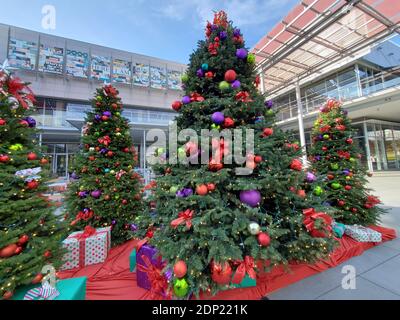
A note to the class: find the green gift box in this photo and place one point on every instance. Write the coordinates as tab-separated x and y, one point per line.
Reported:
132	261
69	289
246	283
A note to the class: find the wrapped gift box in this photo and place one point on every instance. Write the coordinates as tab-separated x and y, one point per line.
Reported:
246	283
69	289
363	234
338	229
132	261
83	250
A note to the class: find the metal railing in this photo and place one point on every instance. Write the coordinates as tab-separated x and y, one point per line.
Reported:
59	118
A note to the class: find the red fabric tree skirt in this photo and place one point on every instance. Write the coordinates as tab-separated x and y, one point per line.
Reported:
113	281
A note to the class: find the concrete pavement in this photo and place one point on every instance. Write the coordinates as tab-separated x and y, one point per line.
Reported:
377	270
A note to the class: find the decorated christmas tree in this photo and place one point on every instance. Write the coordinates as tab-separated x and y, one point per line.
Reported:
336	157
107	190
216	218
30	234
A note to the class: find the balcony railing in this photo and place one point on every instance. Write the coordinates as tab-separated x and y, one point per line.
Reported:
347	92
59	119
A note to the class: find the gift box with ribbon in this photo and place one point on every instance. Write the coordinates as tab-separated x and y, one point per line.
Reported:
150	273
86	248
132	261
65	290
363	234
338	229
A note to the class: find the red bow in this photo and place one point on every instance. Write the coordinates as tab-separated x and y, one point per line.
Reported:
257	81
183	217
221	19
158	281
243	96
85	216
195	97
17	88
344	154
372	201
325	129
309	222
246	266
88	232
212	48
105	140
110	90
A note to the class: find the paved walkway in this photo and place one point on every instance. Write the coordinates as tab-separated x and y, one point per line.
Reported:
378	269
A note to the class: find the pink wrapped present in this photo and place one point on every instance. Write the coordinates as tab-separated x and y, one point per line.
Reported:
86	248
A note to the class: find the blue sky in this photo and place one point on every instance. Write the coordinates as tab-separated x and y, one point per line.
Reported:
167	29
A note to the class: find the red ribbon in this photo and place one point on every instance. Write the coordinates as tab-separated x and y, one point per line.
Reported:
110	90
243	96
158	281
309	222
246	266
183	217
16	88
105	140
195	97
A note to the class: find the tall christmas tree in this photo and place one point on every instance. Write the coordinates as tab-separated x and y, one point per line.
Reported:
107	191
211	219
30	234
336	158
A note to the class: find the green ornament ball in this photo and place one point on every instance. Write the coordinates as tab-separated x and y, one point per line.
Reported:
97	134
173	190
215	127
99	98
334	166
352	160
251	58
336	186
327	136
16	147
318	191
181	153
181	288
185	78
116	197
224	86
269	112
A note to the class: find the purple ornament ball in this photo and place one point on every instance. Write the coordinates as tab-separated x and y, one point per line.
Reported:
107	114
236	84
96	194
241	53
31	122
134	227
218	118
311	177
97	117
269	104
237	32
223	35
186	100
200	73
251	197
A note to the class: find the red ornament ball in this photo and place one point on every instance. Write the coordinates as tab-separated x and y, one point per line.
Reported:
202	190
32	156
124	202
211	187
177	105
264	239
32	185
221	274
8	251
348	188
2	122
230	75
341	203
180	269
23	240
47	254
268	132
8	295
258	159
349	141
229	123
4	158
44	161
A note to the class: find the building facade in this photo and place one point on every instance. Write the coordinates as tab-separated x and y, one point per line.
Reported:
64	75
348	50
369	88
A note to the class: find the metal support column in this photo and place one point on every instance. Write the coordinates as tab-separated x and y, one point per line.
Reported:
145	174
262	82
301	123
367	148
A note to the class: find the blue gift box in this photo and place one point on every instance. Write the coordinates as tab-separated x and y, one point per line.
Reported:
132	261
246	283
69	289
